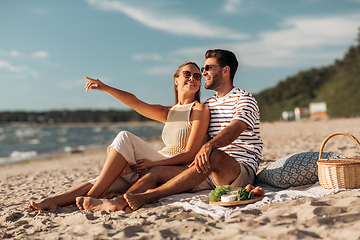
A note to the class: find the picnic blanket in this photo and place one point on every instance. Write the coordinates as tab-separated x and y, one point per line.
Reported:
199	201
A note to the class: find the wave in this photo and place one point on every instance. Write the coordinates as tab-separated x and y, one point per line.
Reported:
19	143
17	156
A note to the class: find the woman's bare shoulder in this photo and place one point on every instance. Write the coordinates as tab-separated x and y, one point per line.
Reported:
200	110
200	106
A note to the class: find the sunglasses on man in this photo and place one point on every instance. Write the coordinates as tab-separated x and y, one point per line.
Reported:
187	74
207	68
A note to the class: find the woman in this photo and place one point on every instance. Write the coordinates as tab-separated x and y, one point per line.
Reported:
185	123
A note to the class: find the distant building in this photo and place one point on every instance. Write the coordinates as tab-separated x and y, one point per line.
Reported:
287	115
301	113
318	111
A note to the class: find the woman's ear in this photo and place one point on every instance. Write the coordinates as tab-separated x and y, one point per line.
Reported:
176	81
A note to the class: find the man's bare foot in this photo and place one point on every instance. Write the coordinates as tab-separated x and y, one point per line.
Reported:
94	204
128	209
136	200
45	204
79	202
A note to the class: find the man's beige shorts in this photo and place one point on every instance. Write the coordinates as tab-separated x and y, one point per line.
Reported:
246	176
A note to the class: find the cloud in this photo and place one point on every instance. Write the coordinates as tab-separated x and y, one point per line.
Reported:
17	54
172	60
41	11
71	84
185	25
190	52
8	66
141	57
40	54
313	32
78	83
162	70
21	72
231	6
301	41
16	71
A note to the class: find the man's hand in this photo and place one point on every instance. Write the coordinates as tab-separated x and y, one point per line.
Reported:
202	159
141	165
224	138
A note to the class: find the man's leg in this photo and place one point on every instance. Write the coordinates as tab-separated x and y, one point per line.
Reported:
224	170
149	180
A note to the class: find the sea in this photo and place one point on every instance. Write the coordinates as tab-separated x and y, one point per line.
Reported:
20	142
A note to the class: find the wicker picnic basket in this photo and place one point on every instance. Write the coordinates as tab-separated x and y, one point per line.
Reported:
339	173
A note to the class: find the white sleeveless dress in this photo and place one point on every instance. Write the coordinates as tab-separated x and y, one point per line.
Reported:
175	135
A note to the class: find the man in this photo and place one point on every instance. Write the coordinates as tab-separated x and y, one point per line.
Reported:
232	156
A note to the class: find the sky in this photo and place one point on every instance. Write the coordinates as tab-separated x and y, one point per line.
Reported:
48	46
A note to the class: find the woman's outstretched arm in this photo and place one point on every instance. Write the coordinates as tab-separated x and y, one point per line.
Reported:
200	118
155	112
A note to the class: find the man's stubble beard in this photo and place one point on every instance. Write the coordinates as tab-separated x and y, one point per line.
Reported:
215	82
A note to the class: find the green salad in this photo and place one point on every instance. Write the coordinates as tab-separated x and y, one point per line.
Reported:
242	194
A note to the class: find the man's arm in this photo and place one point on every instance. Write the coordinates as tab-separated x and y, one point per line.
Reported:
224	138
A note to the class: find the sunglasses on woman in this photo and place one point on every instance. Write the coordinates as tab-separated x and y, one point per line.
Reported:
187	74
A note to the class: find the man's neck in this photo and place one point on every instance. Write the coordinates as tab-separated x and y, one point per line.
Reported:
223	90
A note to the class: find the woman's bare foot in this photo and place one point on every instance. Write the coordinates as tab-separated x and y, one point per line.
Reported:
136	200
94	204
45	204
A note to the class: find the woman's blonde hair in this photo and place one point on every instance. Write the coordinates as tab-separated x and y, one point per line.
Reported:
177	74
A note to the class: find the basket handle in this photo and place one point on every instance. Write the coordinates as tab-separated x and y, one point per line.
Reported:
334	134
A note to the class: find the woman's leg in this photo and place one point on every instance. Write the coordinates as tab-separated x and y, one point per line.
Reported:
61	200
131	148
114	165
149	180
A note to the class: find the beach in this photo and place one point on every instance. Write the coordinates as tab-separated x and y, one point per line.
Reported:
334	216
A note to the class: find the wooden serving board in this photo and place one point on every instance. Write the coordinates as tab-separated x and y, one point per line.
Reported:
234	203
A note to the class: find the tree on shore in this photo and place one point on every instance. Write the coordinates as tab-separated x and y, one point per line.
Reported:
337	84
76	116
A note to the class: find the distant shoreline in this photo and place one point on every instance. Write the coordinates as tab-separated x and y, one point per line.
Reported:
156	143
28	141
78	124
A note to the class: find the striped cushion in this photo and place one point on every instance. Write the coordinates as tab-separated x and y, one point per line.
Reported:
294	170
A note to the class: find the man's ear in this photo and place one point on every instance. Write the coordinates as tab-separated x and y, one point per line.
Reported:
226	70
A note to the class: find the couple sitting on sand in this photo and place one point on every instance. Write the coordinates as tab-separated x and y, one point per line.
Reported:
189	161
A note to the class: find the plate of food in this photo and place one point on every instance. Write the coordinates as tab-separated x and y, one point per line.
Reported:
224	196
237	202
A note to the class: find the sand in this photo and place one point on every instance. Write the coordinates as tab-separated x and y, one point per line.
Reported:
330	217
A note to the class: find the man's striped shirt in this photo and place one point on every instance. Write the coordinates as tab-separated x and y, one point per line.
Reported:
238	105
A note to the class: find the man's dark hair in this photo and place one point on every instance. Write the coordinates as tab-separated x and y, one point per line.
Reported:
224	58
